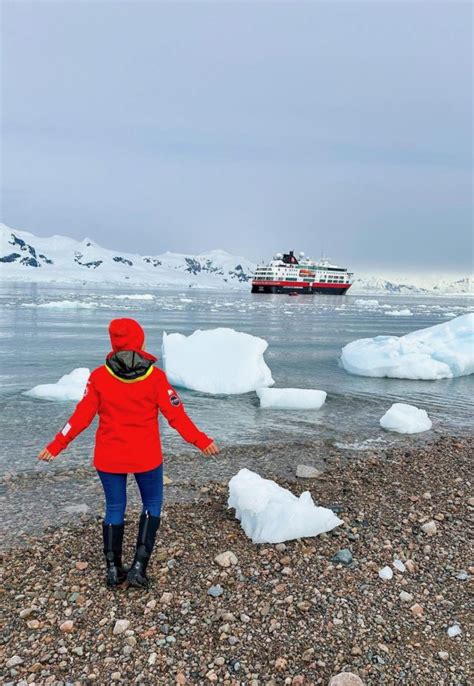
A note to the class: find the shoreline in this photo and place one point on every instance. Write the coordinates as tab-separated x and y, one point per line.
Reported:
287	614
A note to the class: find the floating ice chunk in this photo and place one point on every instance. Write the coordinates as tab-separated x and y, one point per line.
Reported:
438	352
269	513
216	361
291	398
366	303
386	573
69	387
135	296
63	305
406	419
399	313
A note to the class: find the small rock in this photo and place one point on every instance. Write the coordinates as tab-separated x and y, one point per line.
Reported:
152	658
470	502
304	471
81	565
166	598
226	559
429	528
151	604
281	664
399	566
462	576
346	679
386	573
443	655
405	597
166	481
116	676
417	610
121	625
26	612
215	591
33	624
343	557
67	626
14	661
280	547
410	566
454	630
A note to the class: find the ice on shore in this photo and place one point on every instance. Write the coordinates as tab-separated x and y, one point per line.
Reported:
399	313
269	513
217	361
291	398
406	419
63	305
69	387
442	351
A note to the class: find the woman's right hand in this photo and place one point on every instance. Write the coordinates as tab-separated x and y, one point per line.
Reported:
211	449
45	455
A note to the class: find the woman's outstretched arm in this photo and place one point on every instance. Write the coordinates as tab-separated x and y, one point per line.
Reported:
85	411
171	406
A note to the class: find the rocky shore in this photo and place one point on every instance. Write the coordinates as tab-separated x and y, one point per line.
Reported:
262	615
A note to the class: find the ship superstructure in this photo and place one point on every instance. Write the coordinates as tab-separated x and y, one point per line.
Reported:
290	274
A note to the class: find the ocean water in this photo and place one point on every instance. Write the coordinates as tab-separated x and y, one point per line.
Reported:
38	344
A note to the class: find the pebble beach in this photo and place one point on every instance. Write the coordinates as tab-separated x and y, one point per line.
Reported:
223	610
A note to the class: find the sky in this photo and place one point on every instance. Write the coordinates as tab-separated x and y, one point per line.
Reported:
254	127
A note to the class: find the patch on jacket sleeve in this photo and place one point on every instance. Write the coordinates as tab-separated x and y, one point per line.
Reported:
173	396
66	429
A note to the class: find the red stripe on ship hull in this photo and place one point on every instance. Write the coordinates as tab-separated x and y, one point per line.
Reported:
301	284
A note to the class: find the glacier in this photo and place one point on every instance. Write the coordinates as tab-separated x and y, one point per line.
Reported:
406	419
438	352
269	513
216	361
291	398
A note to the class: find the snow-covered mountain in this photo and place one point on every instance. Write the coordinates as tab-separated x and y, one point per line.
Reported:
59	259
25	257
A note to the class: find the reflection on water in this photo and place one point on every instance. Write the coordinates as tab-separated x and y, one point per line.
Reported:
40	342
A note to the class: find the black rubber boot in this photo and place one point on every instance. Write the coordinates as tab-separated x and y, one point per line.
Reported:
147	529
113	538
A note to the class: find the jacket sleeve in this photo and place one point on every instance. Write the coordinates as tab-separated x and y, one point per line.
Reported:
82	416
171	406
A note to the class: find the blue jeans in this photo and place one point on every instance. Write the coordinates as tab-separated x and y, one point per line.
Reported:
150	485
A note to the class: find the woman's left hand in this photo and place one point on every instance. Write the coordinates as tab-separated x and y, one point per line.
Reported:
45	456
211	449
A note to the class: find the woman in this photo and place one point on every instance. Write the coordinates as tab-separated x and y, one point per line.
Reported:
127	393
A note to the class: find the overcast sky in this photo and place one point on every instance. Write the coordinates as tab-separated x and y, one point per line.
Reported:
254	127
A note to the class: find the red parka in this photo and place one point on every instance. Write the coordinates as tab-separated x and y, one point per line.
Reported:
127	438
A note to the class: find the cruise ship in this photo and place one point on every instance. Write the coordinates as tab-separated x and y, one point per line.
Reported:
294	275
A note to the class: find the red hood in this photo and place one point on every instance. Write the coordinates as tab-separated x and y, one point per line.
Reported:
127	334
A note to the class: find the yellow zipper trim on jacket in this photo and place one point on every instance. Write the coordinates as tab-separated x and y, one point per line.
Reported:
140	378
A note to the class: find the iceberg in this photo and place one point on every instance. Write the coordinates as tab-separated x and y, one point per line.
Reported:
216	361
69	387
442	351
269	513
400	313
291	398
406	419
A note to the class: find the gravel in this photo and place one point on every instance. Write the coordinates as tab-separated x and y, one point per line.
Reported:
283	614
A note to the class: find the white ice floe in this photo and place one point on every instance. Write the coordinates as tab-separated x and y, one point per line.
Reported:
363	302
69	387
438	352
406	419
399	313
399	565
63	305
269	513
291	398
218	361
135	296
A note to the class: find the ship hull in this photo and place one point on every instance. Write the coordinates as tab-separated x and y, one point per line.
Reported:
300	288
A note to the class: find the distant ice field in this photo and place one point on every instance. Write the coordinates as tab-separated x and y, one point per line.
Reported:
42	340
